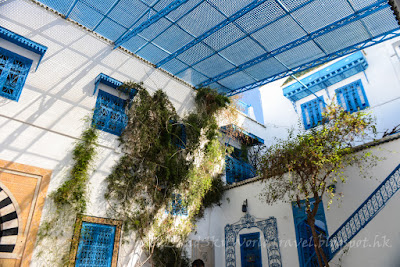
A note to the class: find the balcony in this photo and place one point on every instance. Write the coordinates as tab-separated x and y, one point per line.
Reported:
237	170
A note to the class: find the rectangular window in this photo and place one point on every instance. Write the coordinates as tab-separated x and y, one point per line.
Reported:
305	244
312	112
13	72
96	245
352	97
177	206
95	242
109	114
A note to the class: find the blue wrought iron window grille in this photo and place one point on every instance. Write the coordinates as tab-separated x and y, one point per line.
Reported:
96	245
13	72
109	114
177	206
352	97
312	112
237	169
305	243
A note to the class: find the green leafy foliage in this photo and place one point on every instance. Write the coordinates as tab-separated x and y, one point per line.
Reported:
158	164
69	200
304	165
73	190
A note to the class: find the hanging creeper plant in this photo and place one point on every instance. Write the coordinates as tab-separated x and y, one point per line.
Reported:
167	156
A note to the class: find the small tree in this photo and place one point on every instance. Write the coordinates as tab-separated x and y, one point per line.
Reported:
304	165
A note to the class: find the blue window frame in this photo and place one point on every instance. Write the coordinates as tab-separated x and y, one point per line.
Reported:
13	72
305	244
96	245
250	250
312	112
177	206
352	97
109	114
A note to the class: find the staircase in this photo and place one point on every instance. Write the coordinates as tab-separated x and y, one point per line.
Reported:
365	213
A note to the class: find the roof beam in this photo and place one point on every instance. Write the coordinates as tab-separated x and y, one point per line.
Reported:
222	24
362	45
338	24
106	15
153	19
70	9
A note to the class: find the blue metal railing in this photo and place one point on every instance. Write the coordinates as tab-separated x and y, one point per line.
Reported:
238	170
365	213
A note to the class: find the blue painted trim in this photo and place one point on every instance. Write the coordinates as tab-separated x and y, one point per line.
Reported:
327	76
269	229
351	49
6	70
23	42
349	19
365	212
214	29
254	239
107	80
113	83
171	7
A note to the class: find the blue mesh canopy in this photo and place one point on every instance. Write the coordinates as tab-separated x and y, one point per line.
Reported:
235	45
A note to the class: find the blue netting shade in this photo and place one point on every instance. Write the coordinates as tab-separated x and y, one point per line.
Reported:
235	45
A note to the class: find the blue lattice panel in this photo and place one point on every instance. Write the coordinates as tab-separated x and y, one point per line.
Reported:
365	213
352	97
312	112
13	72
109	114
96	245
238	170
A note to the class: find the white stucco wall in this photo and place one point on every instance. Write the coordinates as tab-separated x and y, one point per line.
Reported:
42	127
381	83
356	190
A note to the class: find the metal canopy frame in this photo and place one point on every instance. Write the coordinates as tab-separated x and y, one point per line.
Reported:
233	45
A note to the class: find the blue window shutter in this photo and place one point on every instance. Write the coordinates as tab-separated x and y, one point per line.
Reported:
250	250
352	97
13	72
96	245
312	112
109	114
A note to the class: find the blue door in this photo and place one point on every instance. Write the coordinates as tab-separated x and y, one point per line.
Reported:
305	242
250	250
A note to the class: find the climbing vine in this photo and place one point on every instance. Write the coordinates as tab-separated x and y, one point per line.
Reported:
165	156
67	202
